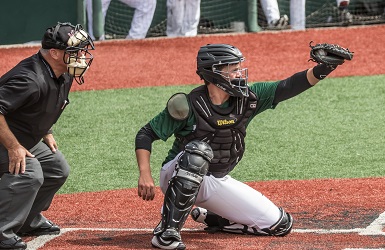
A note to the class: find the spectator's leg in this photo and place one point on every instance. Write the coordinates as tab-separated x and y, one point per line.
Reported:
192	15
175	16
141	21
298	14
346	17
271	10
90	21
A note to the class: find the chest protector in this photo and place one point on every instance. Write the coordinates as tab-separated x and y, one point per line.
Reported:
224	129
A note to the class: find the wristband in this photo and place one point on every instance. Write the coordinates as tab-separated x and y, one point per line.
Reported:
322	70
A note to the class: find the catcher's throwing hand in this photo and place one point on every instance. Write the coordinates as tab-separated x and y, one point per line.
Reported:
146	188
329	54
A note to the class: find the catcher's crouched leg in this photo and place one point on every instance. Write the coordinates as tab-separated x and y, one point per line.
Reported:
282	227
181	194
215	223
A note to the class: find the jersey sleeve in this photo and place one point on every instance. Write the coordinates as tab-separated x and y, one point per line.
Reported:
165	126
265	92
17	92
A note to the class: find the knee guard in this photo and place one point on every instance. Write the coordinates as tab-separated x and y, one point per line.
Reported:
183	187
283	225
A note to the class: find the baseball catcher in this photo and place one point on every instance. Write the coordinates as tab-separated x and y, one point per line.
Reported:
209	125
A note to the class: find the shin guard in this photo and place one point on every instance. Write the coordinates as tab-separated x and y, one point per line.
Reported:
183	188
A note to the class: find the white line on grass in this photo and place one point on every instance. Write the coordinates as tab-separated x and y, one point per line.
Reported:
375	228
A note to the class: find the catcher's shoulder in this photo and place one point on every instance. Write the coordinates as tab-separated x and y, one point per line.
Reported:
178	106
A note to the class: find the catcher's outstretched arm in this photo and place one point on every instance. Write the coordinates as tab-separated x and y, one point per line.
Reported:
295	85
300	82
291	87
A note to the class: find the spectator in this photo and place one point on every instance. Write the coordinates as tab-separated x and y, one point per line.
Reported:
273	16
298	13
141	21
345	16
33	95
183	17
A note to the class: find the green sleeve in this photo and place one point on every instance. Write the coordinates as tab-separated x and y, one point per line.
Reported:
265	92
164	125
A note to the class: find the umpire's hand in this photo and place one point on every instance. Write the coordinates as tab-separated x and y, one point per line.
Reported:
16	157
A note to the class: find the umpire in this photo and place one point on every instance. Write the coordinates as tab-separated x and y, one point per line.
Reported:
33	95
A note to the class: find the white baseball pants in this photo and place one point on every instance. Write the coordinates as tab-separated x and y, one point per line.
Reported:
141	21
183	17
229	198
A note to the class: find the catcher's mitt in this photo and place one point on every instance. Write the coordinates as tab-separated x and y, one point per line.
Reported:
329	54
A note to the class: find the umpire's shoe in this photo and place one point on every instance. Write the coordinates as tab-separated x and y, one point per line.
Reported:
13	243
169	239
48	228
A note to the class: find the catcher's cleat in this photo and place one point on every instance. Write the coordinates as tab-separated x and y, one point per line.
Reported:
167	243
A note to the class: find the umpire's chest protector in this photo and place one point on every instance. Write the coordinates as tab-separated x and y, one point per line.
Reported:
224	129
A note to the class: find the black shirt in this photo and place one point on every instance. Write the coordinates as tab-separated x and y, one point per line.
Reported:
32	99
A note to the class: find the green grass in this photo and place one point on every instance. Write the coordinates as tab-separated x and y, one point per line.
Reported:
334	130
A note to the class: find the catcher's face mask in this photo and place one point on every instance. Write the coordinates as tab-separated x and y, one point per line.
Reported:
234	75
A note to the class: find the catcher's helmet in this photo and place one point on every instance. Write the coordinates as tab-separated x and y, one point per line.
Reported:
75	42
212	60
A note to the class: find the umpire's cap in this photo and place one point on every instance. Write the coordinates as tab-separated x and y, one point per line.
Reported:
58	36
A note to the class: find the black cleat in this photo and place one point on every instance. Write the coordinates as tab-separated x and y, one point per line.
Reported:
15	243
48	228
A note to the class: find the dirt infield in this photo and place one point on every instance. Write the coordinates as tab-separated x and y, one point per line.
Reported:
329	214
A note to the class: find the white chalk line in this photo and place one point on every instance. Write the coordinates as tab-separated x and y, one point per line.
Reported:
375	228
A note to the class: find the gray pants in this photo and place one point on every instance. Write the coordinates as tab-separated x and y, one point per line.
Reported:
24	196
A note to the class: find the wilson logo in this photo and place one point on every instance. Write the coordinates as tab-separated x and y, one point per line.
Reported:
225	122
